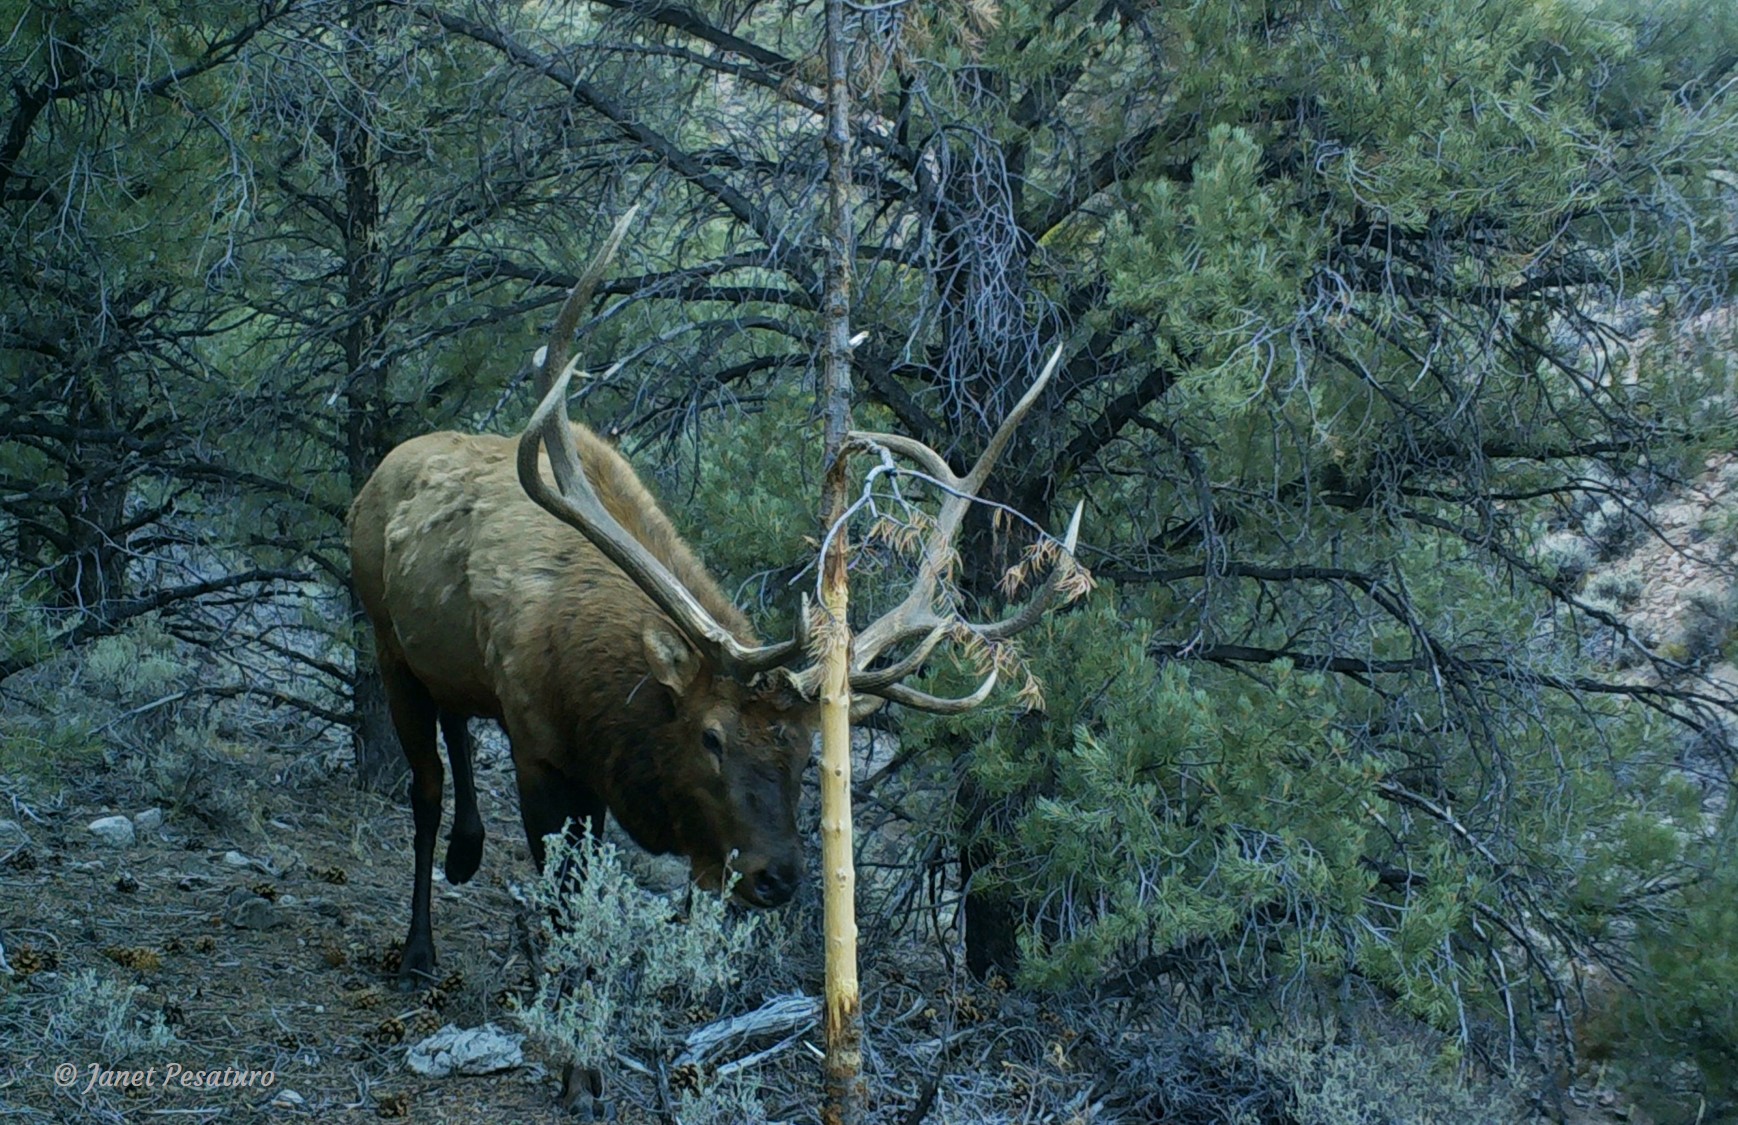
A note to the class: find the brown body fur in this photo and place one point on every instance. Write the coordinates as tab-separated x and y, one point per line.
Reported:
485	605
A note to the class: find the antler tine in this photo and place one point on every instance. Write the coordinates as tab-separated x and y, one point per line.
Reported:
870	687
551	359
937	704
905	619
574	501
987	460
1040	603
893	673
933	463
577	504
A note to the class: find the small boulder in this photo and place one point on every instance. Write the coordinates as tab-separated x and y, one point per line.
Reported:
148	821
115	831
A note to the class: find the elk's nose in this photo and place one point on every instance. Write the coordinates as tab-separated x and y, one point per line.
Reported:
775	885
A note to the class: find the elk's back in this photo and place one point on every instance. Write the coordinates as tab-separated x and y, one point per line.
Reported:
480	593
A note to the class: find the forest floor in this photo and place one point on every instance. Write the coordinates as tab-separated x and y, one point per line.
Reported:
301	988
270	946
271	949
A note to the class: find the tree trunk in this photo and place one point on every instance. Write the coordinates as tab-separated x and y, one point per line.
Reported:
845	1095
993	915
381	766
990	915
93	571
92	565
379	761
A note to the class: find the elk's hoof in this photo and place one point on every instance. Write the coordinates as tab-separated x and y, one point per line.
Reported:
582	1094
464	855
416	970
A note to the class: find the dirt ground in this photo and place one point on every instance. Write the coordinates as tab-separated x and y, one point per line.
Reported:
269	951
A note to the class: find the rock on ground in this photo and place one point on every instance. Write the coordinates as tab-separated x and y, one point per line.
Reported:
116	831
455	1050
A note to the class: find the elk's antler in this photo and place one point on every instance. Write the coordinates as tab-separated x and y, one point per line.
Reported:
574	501
915	616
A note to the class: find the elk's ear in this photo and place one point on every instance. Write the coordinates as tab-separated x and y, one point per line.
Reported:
672	662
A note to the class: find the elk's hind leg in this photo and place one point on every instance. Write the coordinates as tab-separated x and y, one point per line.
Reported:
465	845
413	717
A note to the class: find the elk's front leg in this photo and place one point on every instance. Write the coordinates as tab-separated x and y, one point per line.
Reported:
551	802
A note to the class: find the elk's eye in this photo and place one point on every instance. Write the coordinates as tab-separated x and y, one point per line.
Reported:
714	743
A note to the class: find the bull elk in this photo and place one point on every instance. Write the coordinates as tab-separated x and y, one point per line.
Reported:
624	678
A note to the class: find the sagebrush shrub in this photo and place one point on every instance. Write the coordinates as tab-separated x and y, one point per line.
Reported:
98	1012
626	972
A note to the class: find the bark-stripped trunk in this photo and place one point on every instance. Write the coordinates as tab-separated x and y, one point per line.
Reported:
844	1018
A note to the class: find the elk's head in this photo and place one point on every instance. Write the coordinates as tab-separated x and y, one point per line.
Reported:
731	755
